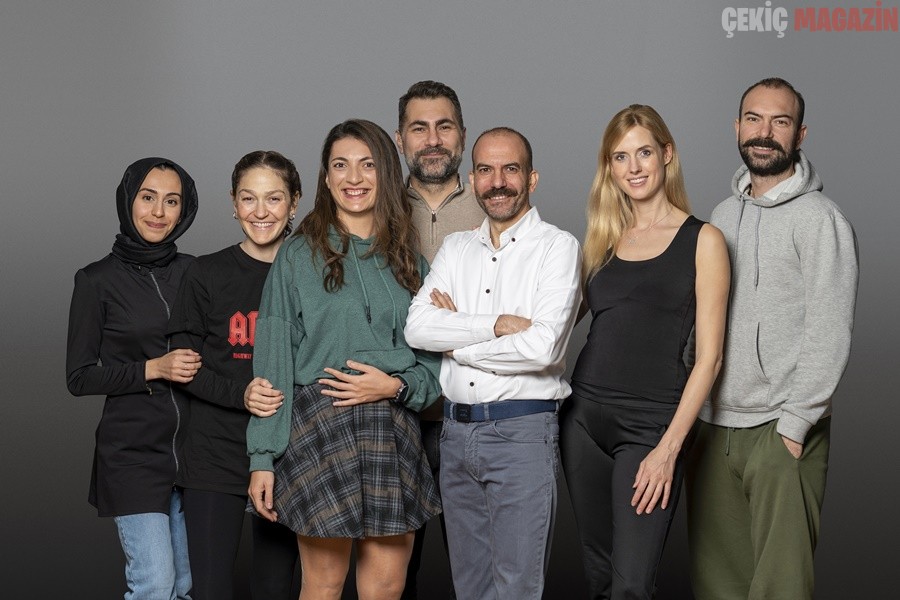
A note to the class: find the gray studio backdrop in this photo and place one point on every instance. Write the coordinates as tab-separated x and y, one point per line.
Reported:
88	87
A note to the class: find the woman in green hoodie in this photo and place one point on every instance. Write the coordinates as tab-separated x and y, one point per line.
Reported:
341	460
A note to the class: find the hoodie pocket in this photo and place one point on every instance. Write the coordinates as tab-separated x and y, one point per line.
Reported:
757	359
743	385
388	360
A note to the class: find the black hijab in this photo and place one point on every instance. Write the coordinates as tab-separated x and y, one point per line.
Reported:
130	247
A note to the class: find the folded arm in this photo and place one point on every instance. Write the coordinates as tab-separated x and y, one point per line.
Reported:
435	327
555	306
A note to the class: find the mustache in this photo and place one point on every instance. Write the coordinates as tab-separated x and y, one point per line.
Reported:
503	191
433	150
764	143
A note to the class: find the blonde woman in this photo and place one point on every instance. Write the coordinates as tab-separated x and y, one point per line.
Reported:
652	273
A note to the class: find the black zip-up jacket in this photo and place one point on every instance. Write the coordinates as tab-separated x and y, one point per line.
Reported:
117	322
119	315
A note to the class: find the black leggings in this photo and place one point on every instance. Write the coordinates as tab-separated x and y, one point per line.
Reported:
275	557
431	441
214	521
602	446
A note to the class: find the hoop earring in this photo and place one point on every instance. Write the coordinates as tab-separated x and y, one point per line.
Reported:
289	227
234	215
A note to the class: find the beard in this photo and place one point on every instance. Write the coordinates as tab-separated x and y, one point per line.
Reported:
502	213
768	167
434	170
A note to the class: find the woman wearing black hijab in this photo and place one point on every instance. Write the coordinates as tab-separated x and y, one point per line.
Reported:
117	347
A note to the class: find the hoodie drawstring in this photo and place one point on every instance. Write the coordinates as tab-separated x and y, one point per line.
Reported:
387	287
393	304
737	227
362	284
728	440
737	236
756	256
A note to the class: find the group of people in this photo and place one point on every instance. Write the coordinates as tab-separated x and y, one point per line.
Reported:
402	355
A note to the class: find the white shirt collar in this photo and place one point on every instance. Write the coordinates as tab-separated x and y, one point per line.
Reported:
526	223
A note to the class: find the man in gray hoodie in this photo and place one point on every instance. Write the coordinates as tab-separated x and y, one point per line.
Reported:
756	476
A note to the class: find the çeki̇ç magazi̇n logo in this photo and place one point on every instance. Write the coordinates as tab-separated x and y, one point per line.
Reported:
778	19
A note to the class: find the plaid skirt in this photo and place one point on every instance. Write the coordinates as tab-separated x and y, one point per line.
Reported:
353	471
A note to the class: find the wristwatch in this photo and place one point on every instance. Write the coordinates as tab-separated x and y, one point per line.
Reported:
402	392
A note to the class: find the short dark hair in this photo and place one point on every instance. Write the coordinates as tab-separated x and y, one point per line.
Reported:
429	90
776	83
529	157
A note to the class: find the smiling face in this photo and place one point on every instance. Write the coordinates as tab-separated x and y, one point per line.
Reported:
351	178
157	205
431	140
767	131
501	177
262	205
638	164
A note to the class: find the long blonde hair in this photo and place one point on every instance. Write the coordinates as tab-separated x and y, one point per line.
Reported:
609	210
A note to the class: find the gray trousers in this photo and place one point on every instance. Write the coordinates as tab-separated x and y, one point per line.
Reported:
498	486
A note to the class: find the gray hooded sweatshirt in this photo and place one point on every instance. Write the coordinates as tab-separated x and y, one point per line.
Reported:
793	291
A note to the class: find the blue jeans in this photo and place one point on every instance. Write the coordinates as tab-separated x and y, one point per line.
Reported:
156	554
498	487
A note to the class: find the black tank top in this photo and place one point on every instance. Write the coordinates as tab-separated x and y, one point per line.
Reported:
642	315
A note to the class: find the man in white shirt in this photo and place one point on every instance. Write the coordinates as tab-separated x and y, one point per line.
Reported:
500	302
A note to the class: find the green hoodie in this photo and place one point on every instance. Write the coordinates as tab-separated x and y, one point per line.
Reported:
302	328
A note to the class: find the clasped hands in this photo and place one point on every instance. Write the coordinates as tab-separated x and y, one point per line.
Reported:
370	385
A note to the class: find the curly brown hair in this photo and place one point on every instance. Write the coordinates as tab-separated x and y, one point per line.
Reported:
395	237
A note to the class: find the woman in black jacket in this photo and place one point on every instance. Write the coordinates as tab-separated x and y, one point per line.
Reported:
117	347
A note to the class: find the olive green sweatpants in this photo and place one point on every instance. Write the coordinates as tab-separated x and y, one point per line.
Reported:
753	512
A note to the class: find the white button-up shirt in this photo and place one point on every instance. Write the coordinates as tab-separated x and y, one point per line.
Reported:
533	274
